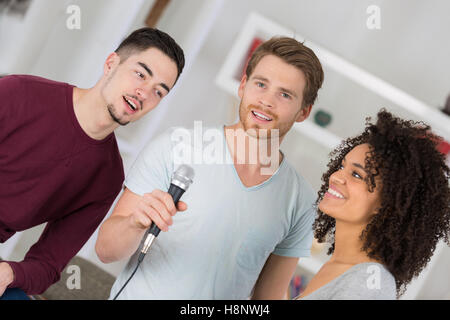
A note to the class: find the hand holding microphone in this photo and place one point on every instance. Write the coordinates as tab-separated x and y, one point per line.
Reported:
181	180
157	209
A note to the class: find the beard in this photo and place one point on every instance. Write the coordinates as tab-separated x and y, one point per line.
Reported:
274	130
113	113
110	107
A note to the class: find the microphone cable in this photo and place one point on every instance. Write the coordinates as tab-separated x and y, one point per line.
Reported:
181	180
150	235
140	259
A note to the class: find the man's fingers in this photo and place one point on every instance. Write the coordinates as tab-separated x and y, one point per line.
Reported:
153	215
181	206
166	199
142	219
160	208
158	220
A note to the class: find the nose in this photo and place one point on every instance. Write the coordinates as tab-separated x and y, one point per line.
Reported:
141	94
337	177
267	100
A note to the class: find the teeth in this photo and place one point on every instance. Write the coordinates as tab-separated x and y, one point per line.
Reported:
133	106
261	116
335	193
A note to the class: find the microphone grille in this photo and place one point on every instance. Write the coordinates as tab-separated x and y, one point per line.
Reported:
183	176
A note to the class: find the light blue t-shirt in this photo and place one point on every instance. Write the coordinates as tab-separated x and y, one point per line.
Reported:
218	246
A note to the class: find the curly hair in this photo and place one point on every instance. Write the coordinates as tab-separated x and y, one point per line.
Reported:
415	193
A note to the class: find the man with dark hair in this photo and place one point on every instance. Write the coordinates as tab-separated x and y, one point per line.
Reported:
247	224
59	160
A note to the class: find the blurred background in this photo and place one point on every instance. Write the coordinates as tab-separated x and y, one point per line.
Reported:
392	54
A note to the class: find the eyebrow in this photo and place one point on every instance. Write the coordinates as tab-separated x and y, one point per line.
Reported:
356	165
149	71
292	93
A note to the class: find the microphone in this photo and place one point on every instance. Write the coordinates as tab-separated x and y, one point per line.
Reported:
182	178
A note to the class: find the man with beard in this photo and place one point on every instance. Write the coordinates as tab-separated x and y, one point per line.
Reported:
59	160
247	224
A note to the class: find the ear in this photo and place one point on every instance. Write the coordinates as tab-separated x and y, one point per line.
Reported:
242	85
111	61
304	113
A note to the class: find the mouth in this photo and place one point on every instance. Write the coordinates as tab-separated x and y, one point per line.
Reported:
260	116
333	193
131	104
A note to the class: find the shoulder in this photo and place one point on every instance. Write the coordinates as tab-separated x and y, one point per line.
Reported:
22	80
367	281
11	83
24	88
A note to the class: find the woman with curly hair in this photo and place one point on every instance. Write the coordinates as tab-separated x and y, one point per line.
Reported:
383	206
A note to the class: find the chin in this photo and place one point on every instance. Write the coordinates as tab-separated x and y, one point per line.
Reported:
323	207
249	124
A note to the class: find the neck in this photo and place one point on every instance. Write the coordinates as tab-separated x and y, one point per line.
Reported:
92	114
252	153
348	245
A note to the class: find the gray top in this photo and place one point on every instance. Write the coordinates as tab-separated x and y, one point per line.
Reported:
364	281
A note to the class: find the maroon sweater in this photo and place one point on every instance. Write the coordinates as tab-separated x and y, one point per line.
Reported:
50	171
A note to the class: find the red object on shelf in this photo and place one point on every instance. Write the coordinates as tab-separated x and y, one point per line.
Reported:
444	147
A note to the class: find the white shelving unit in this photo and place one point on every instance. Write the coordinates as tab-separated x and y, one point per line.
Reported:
260	27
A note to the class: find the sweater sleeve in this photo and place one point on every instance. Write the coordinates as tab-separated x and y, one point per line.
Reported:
60	241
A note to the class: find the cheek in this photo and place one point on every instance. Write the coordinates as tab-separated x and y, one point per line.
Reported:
286	111
150	103
243	107
251	94
115	88
375	204
287	117
365	207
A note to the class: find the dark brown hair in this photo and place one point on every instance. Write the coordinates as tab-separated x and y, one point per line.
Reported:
146	38
415	194
294	53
